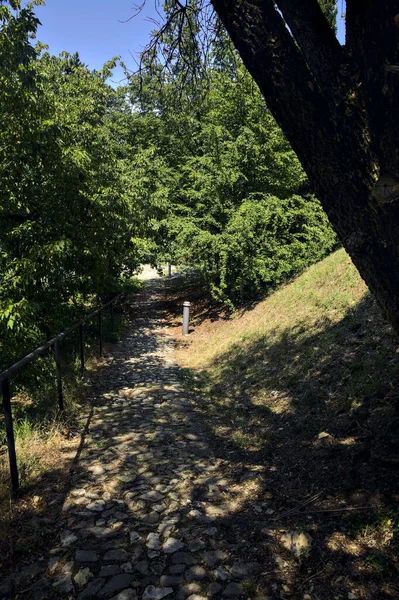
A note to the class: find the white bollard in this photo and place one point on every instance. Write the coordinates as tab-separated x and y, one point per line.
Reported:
186	316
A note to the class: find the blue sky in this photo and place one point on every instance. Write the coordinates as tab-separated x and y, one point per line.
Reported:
94	29
341	21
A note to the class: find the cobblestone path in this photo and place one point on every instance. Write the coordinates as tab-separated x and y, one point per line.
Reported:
142	519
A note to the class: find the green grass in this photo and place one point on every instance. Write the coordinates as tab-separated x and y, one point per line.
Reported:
316	343
315	356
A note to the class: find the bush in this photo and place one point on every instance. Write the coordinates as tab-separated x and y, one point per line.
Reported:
267	241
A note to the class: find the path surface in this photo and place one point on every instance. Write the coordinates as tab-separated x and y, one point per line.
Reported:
144	517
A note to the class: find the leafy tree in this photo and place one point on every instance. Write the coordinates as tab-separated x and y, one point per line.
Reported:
69	208
337	106
225	161
329	8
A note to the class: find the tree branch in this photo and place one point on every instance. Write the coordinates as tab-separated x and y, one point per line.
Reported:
315	39
270	54
372	33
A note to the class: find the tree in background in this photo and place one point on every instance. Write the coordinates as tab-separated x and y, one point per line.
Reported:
337	106
179	165
238	206
68	207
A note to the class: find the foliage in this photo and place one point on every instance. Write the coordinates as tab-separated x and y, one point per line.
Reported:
269	240
330	9
95	181
239	209
68	205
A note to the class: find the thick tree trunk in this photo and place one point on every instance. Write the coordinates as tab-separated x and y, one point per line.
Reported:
339	109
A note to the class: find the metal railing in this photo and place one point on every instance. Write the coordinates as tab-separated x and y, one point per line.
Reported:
7	374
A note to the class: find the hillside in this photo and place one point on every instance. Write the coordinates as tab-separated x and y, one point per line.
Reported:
303	386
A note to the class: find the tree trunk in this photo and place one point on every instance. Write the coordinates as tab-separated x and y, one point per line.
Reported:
338	107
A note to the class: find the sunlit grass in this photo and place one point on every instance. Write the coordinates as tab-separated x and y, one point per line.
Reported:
304	383
322	295
294	343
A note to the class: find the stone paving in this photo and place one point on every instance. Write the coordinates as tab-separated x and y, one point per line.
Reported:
142	518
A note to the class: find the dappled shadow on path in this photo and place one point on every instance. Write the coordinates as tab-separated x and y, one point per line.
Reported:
146	496
167	494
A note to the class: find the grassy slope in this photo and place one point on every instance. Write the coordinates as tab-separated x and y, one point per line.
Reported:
46	444
314	358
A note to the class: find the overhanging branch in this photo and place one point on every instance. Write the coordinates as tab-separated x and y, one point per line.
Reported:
315	39
270	54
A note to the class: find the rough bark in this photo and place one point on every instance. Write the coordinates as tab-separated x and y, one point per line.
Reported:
339	109
318	43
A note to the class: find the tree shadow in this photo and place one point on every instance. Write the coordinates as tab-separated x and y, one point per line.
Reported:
203	307
317	409
161	464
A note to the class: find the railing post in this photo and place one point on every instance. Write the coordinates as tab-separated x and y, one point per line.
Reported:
169	270
59	377
186	316
100	332
82	348
12	455
112	317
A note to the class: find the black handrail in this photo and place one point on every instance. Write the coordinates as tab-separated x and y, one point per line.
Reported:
5	379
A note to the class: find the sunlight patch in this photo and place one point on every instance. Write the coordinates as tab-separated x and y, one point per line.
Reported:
340	542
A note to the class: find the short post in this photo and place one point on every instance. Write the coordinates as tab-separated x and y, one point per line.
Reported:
112	317
59	376
100	332
82	348
12	455
186	316
169	270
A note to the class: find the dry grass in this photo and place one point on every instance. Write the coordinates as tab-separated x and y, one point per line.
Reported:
46	446
323	295
45	452
305	383
274	351
39	447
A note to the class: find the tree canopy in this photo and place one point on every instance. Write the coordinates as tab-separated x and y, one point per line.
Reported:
335	104
238	206
182	165
68	210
